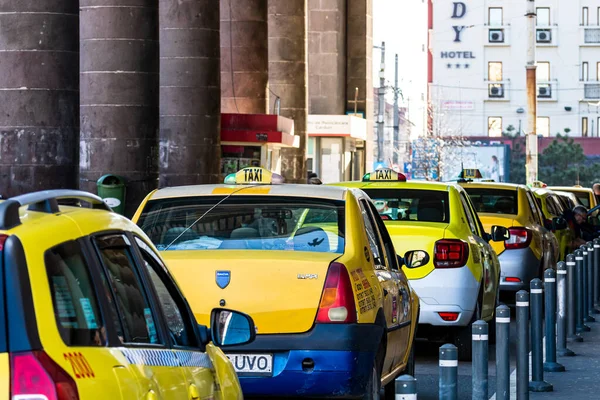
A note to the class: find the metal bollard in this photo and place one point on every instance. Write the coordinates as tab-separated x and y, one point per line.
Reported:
406	388
502	353
581	327
572	334
480	360
550	297
587	285
448	372
561	311
590	288
522	304
597	272
537	383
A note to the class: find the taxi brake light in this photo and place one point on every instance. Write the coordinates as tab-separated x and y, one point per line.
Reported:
2	241
337	301
450	253
34	375
448	316
520	238
512	279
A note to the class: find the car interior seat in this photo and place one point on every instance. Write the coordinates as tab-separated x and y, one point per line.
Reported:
504	205
173	233
430	210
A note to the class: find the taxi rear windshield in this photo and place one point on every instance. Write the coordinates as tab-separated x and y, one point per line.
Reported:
411	204
245	223
494	201
584	198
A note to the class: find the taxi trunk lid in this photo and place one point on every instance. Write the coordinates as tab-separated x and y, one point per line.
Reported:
280	290
418	236
489	220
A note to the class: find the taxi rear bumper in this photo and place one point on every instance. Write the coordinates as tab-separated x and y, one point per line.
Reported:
331	360
447	290
521	264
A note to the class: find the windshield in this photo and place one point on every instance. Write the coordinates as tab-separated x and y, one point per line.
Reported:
584	198
494	201
246	223
411	204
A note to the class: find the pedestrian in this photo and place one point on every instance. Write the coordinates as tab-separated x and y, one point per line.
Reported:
584	231
596	189
313	179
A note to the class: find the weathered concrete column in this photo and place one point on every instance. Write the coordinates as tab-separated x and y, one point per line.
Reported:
119	94
288	76
360	66
39	95
190	93
244	56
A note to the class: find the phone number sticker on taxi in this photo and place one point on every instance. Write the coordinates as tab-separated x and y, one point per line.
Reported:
252	364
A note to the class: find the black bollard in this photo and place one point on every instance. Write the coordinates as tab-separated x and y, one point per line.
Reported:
581	327
590	287
537	383
561	310
448	372
597	272
586	285
479	364
550	365
502	353
522	304
572	334
406	388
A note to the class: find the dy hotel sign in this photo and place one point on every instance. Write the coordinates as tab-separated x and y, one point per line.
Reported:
459	10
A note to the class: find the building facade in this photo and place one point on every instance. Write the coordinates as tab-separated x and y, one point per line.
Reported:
477	82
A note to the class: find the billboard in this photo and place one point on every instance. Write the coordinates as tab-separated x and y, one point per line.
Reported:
492	161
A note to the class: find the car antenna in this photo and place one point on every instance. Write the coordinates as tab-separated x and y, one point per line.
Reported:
203	215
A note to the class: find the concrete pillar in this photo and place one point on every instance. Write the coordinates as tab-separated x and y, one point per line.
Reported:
39	94
288	77
244	56
327	57
360	66
119	94
190	93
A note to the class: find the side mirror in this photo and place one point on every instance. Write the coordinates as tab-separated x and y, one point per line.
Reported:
231	328
416	258
500	233
559	223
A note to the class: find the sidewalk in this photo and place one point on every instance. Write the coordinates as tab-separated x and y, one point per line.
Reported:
581	381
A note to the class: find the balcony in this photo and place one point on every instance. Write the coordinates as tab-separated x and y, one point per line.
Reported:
590	36
547	90
497	91
497	36
591	91
546	36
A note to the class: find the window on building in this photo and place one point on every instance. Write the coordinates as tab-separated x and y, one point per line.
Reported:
543	126
495	126
598	71
585	16
543	71
585	71
584	126
543	16
598	16
495	71
495	16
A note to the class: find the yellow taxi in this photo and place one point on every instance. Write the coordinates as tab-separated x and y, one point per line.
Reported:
553	210
585	195
89	310
531	247
313	265
459	285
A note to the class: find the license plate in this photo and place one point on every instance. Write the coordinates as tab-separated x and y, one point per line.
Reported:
252	364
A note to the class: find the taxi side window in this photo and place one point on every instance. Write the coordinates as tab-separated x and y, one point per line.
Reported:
470	217
372	235
387	240
534	208
131	301
73	296
171	302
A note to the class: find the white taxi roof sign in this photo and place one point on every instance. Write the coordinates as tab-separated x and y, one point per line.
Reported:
384	174
254	176
470	173
538	185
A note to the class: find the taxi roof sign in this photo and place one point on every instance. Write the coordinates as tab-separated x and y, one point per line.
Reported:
470	173
538	185
384	174
254	176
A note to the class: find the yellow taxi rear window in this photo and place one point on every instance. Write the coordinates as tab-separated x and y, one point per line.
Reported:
494	201
245	223
411	204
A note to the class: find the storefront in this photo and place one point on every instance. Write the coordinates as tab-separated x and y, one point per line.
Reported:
336	147
254	140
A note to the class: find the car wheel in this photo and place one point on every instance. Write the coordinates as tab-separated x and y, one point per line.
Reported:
372	389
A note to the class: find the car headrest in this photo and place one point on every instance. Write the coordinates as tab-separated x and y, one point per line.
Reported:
173	233
430	210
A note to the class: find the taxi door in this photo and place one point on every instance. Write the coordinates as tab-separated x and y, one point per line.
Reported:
388	286
548	243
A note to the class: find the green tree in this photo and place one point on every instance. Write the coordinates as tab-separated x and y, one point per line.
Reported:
517	156
564	163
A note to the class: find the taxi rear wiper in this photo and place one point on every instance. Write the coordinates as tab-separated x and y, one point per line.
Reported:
203	215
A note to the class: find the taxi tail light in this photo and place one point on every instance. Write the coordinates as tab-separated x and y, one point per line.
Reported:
2	241
337	301
449	316
520	238
450	253
512	279
34	375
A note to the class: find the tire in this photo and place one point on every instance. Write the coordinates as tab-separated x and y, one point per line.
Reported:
372	389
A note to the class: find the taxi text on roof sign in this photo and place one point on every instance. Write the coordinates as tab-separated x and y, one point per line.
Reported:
470	173
384	174
254	176
538	184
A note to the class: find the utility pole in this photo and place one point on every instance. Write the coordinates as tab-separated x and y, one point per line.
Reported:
396	145
381	108
531	164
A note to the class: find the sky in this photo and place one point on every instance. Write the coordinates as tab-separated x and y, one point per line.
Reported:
402	24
